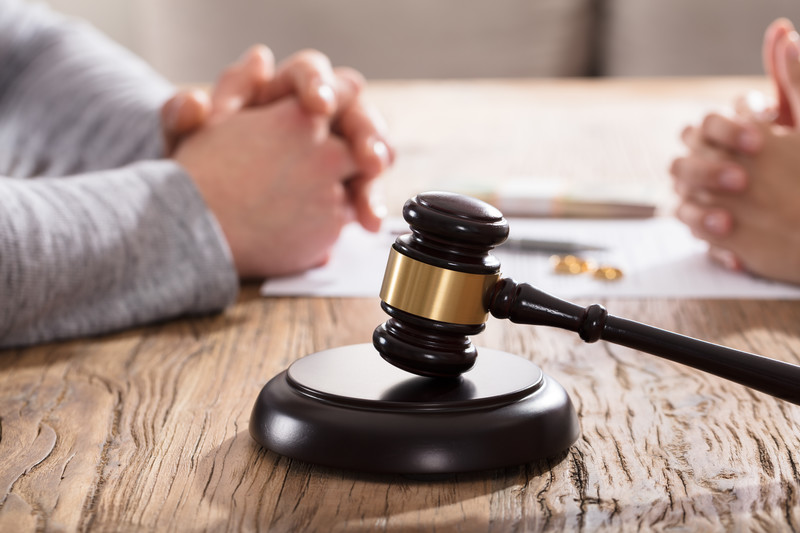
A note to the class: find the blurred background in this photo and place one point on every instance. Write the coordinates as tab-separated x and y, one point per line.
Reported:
190	41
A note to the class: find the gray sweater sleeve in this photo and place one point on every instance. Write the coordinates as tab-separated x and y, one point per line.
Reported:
98	231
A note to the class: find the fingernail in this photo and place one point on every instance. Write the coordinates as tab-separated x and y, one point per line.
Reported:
716	223
377	204
201	96
326	93
726	258
732	179
749	139
759	107
381	151
756	102
174	113
250	54
792	50
233	104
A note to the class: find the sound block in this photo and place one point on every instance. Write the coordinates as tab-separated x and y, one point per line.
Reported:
348	408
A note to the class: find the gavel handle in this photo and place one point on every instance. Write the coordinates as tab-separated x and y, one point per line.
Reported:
524	304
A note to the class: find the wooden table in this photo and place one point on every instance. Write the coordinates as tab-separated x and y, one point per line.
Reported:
147	430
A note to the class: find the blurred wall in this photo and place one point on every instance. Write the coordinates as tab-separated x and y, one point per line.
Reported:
191	40
687	37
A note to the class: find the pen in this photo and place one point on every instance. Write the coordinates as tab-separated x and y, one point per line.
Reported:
549	246
565	207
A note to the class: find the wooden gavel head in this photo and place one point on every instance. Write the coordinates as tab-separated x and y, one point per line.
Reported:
437	281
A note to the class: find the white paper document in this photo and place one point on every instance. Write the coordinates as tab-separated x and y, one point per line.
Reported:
657	256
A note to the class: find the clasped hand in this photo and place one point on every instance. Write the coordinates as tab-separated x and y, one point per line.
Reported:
739	183
284	157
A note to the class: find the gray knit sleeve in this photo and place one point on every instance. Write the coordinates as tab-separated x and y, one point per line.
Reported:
71	100
107	250
96	232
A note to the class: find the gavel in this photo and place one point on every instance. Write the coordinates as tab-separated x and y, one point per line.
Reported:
439	407
442	282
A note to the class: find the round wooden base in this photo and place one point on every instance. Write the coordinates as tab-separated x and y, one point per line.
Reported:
348	408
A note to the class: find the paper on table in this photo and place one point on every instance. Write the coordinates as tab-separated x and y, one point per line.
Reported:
658	256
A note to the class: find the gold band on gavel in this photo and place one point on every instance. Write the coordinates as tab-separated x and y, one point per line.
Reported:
434	292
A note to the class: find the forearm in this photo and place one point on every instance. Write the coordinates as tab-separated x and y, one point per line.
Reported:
104	251
71	100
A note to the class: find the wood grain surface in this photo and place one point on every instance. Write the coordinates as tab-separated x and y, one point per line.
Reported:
147	430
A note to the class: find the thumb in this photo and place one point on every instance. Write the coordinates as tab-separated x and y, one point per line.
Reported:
787	67
777	31
182	114
240	84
